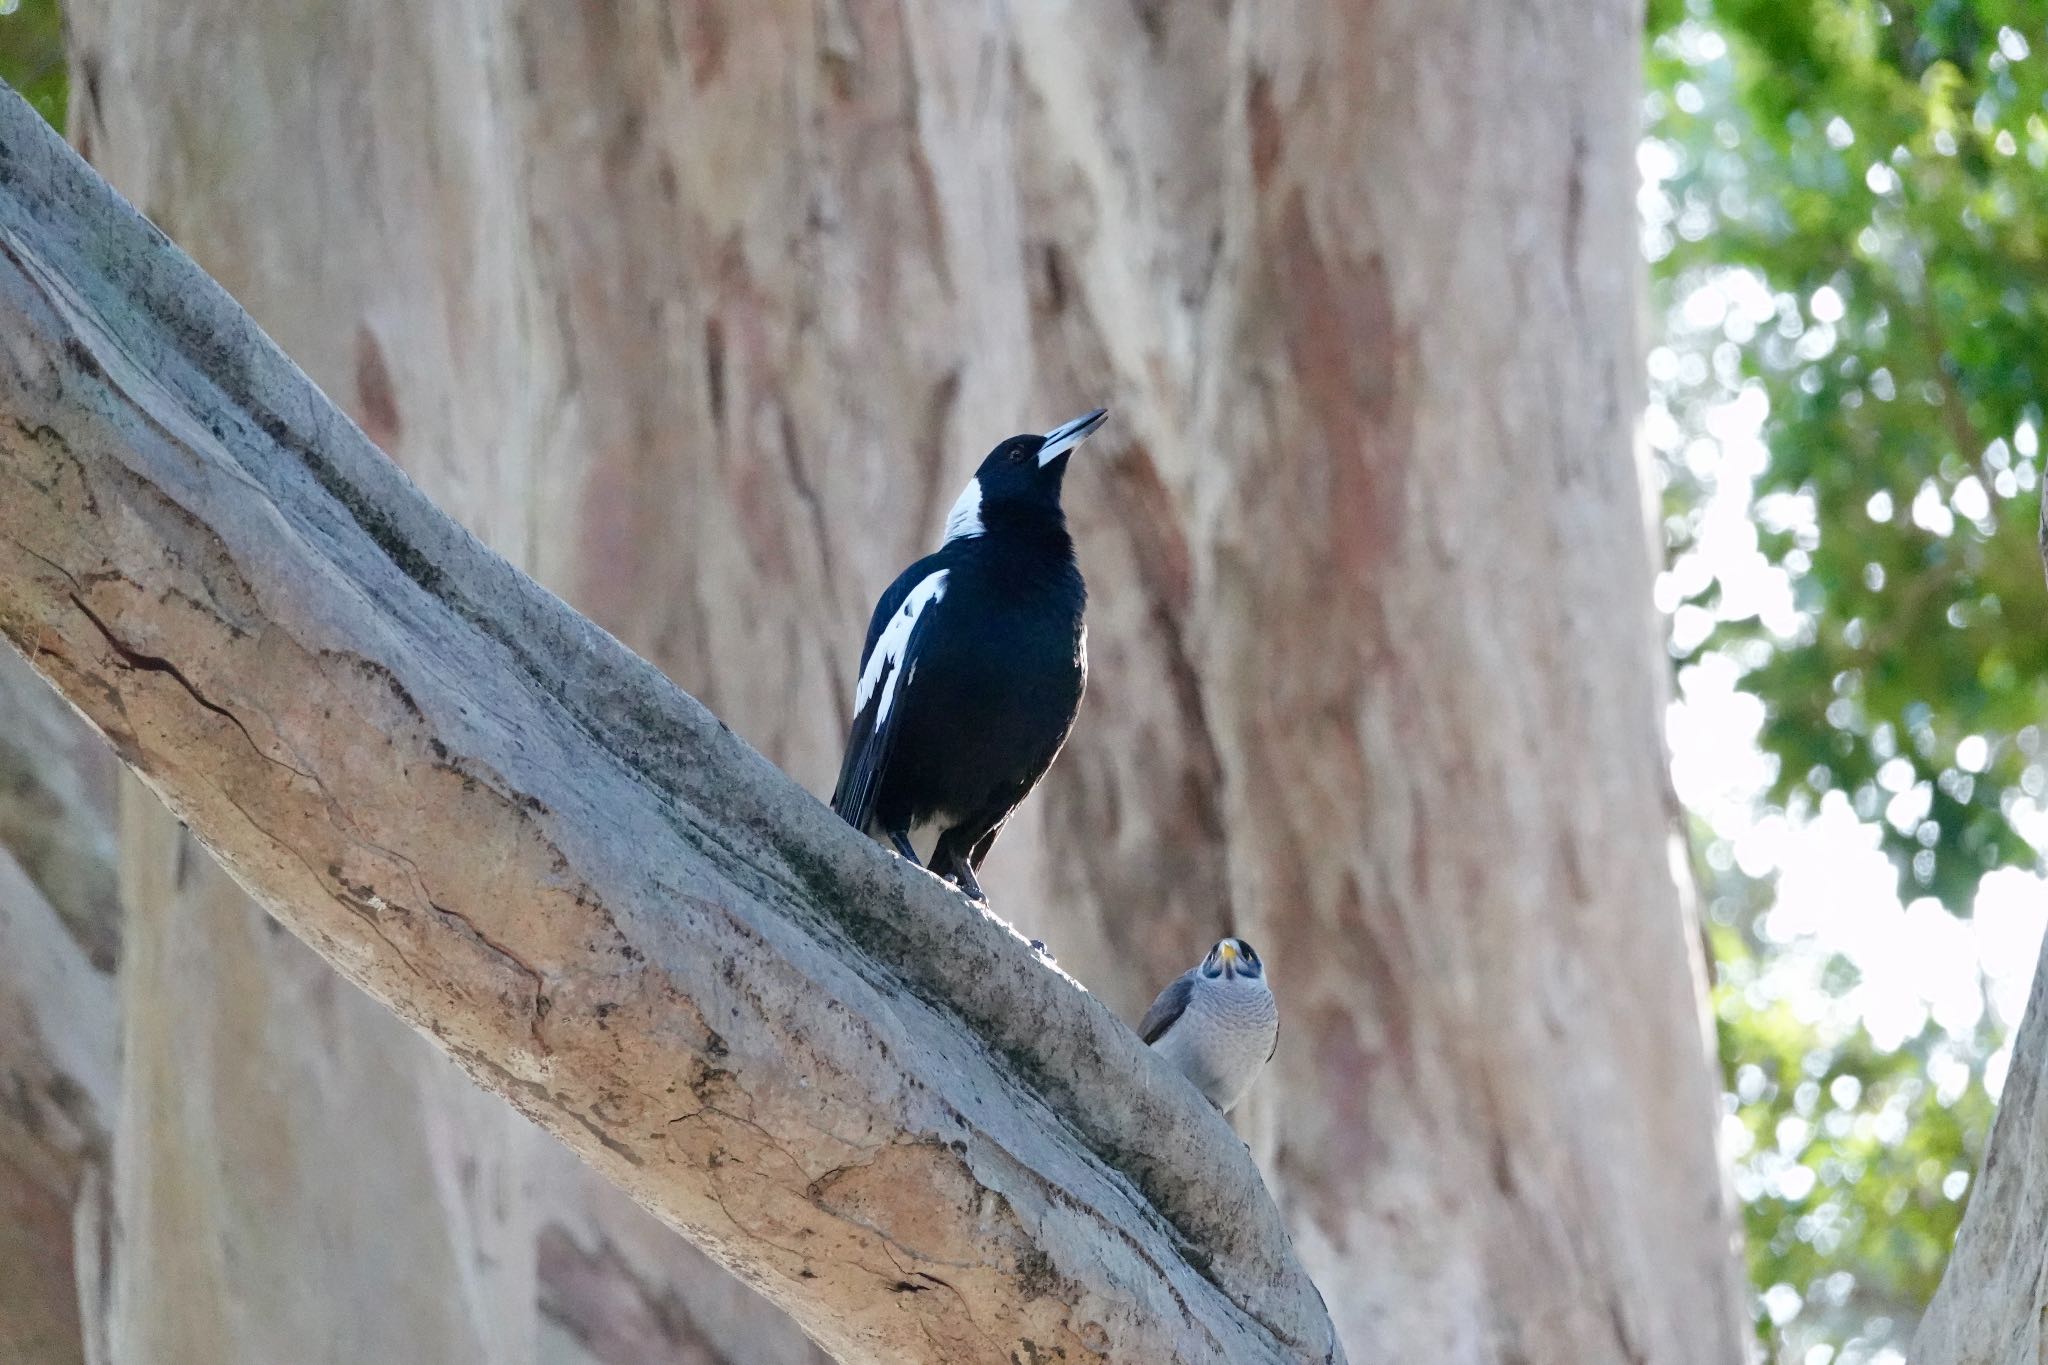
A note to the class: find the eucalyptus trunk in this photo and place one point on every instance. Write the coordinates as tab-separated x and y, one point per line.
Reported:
701	314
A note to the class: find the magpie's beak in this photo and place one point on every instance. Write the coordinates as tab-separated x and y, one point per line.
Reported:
1060	440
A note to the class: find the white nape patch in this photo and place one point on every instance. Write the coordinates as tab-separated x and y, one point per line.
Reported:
889	648
964	521
1062	439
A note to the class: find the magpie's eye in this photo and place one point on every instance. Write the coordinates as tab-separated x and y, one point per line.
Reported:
1018	454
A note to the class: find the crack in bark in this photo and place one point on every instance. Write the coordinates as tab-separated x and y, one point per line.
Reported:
903	1285
151	663
538	1011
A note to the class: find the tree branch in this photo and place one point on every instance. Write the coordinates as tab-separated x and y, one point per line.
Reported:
863	1097
1992	1305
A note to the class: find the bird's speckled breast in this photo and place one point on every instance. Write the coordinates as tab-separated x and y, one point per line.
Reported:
1224	1037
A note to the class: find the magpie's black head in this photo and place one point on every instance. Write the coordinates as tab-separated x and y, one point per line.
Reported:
1020	479
1233	957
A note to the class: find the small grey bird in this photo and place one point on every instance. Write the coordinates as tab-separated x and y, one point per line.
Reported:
1218	1023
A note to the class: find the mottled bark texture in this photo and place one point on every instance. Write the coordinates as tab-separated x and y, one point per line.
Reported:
702	312
875	1104
1992	1306
57	1022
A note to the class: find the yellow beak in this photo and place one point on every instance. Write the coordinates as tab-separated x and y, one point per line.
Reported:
1227	951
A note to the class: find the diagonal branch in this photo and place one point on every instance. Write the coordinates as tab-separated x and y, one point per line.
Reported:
861	1096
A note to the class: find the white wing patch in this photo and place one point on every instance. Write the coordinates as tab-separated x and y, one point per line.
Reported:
888	655
964	521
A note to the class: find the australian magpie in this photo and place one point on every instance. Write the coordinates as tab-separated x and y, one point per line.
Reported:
974	664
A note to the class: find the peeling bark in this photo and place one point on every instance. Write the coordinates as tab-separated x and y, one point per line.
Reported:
59	937
812	1060
56	796
56	1079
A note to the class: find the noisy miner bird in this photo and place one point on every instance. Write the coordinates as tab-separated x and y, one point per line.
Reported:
974	664
1218	1023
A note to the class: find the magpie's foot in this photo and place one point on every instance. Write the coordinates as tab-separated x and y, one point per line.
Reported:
963	876
901	840
1038	946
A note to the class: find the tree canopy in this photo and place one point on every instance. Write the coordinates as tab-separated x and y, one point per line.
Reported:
1843	209
32	54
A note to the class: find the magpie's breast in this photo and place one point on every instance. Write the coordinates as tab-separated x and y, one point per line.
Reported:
995	693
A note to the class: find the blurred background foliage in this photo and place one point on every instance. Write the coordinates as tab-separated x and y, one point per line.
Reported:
32	54
1844	210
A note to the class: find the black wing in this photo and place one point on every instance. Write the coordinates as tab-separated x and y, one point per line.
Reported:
1171	1004
904	616
1008	800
